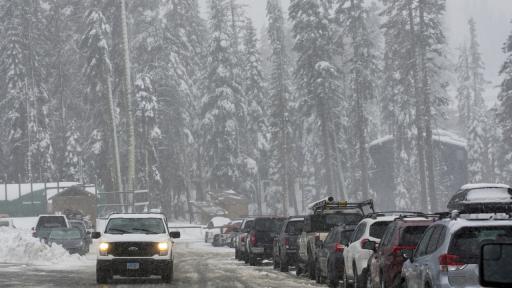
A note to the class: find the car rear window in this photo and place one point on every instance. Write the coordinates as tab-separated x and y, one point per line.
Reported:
377	229
411	235
345	236
466	242
294	227
268	224
51	222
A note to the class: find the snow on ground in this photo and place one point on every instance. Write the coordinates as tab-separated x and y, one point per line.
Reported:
18	246
25	223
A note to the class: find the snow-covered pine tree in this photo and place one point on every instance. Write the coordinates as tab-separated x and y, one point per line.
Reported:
14	97
148	136
280	109
256	96
504	115
97	70
464	95
363	69
477	147
317	82
73	154
220	105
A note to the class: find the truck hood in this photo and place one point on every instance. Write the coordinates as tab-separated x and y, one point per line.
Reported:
134	238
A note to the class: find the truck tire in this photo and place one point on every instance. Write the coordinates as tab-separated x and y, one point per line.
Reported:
252	260
103	276
311	266
168	276
284	265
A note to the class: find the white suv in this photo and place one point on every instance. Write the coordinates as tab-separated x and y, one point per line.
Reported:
135	245
356	255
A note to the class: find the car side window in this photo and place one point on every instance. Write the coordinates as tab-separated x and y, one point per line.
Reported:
386	239
359	232
422	247
436	239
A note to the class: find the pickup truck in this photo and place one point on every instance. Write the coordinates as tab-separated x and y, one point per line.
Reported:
260	238
327	214
285	244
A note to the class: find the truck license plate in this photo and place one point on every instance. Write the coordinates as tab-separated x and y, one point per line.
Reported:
132	265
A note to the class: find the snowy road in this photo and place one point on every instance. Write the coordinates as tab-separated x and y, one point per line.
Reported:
197	265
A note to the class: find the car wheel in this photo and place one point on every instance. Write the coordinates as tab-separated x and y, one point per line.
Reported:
275	263
299	271
169	275
237	257
246	258
382	282
311	268
252	260
318	273
346	283
103	276
283	265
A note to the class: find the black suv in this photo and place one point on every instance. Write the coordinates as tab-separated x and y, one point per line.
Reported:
285	244
260	238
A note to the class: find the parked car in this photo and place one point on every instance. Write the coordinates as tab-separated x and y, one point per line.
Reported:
231	230
214	226
285	244
135	245
45	223
71	239
240	245
402	235
260	238
480	197
5	222
330	263
82	226
326	215
359	251
449	251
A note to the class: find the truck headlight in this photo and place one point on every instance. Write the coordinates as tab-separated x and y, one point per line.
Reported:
163	248
104	248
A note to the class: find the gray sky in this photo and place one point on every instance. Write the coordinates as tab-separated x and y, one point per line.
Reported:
493	26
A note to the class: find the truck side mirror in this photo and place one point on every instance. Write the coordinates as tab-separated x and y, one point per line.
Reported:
495	263
175	234
95	235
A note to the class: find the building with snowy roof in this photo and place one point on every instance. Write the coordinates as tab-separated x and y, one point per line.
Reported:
450	158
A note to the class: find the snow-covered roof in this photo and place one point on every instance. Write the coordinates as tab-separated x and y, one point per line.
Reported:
219	221
297	219
439	135
484	185
15	190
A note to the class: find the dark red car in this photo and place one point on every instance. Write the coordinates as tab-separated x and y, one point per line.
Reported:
385	265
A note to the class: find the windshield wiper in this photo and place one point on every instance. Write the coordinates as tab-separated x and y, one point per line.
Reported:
145	230
118	230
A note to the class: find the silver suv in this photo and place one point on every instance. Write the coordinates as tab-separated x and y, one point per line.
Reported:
448	254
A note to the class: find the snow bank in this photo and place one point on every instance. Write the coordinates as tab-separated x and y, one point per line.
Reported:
18	246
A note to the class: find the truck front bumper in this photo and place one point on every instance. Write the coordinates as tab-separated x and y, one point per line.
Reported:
134	267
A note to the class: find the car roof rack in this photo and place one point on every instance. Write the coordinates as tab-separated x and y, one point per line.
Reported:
324	205
393	213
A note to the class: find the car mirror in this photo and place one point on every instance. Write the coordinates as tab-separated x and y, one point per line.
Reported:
370	245
175	234
95	235
495	262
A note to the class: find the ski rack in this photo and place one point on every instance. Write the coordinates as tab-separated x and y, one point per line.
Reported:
420	215
394	213
322	206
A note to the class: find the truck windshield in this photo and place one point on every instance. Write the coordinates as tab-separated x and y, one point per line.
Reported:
268	224
135	226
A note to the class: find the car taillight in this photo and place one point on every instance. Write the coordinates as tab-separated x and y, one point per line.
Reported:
253	239
449	262
363	242
397	250
339	248
286	243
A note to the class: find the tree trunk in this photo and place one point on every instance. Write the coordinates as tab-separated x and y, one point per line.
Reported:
115	147
128	99
324	124
419	115
429	153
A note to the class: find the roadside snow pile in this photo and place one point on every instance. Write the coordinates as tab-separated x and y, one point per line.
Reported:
18	246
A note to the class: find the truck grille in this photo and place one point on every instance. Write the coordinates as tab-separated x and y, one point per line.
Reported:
133	249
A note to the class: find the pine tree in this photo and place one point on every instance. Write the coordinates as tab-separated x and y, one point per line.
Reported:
279	121
503	114
73	154
363	77
221	104
477	147
464	95
98	72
